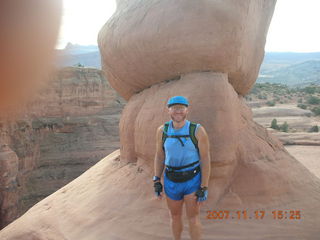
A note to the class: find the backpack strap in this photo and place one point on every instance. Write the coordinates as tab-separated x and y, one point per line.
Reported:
164	133
192	132
179	138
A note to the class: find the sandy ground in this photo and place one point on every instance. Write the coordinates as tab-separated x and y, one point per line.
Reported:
309	156
300	121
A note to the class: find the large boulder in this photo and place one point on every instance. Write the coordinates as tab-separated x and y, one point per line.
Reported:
147	42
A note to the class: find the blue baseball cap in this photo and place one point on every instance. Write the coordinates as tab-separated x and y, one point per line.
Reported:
178	100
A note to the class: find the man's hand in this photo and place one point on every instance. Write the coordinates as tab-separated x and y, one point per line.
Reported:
158	189
201	195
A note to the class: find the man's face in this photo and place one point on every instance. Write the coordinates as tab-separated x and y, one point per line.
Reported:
178	112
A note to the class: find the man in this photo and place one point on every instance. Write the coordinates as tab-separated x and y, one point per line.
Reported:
187	167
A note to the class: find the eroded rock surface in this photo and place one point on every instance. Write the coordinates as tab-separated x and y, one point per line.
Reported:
70	125
147	42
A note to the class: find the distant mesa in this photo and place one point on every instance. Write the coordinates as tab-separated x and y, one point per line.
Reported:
74	54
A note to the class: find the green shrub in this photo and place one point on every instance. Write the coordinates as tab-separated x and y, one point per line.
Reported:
303	106
294	90
284	127
313	100
316	111
314	128
260	96
310	90
300	100
271	103
248	98
79	65
274	124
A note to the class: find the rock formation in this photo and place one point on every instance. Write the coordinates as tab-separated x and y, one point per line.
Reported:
70	125
145	43
210	52
169	53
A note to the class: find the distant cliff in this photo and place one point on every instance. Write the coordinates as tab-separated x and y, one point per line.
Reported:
299	74
74	54
71	124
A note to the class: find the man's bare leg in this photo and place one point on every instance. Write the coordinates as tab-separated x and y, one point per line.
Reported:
175	208
193	214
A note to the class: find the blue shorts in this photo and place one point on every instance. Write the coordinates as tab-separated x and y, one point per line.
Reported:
176	190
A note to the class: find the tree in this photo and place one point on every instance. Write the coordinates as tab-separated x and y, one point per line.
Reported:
284	127
274	124
313	100
314	128
309	89
316	111
79	65
271	103
301	105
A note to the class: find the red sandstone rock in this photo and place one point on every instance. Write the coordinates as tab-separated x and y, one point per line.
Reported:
70	125
147	42
113	200
8	185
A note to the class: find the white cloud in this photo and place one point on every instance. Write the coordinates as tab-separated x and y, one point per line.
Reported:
294	26
83	19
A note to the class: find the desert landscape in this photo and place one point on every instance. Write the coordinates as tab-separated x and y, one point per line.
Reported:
292	105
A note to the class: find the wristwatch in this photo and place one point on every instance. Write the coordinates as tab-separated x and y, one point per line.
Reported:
155	178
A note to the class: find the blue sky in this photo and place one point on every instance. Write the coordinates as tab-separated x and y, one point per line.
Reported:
294	26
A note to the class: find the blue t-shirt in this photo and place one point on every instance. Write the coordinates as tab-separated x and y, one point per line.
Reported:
177	155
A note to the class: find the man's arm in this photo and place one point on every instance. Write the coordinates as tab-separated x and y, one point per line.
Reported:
204	149
159	157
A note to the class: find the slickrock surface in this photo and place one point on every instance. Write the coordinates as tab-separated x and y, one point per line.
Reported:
308	156
115	201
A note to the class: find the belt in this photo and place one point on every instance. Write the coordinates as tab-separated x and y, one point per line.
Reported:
182	176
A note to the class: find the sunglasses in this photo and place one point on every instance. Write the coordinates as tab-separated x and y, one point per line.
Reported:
178	108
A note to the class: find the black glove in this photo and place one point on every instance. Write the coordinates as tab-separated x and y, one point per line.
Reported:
202	194
157	188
